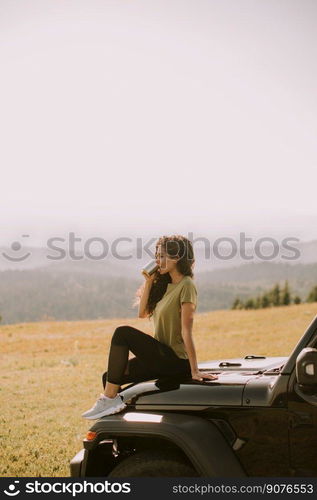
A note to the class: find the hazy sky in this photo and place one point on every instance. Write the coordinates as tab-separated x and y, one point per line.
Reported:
150	116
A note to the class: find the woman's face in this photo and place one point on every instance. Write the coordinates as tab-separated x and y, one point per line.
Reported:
165	262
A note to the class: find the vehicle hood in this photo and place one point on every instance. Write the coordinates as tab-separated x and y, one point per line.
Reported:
249	362
180	391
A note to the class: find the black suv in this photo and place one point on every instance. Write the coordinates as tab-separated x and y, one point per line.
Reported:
259	418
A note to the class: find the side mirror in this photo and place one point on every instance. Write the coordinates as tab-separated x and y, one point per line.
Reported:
306	368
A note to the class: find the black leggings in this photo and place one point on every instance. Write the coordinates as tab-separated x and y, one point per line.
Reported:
152	358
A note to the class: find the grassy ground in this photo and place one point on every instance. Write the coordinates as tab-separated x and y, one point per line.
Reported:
51	373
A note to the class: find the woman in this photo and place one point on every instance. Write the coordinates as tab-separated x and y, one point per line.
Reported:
170	296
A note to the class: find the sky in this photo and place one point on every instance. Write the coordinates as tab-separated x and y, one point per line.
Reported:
134	117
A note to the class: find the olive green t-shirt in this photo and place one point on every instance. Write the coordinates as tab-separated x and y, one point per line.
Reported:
167	314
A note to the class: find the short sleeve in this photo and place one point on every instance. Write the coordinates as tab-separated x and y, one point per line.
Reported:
189	293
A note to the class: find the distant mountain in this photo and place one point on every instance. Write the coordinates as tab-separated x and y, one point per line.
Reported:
220	287
207	258
44	258
32	295
83	290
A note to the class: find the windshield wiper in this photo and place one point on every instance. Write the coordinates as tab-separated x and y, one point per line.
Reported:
227	363
254	356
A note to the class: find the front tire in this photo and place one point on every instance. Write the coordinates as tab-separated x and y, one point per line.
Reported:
151	463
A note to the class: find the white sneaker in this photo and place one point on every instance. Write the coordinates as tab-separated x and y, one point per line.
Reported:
105	406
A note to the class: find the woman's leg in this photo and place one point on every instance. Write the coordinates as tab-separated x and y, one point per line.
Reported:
152	359
135	371
117	364
156	358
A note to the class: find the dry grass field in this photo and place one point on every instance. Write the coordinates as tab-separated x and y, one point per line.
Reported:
51	373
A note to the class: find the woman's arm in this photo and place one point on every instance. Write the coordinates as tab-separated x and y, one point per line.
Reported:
187	318
143	313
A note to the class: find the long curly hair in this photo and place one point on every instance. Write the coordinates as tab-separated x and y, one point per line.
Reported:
175	246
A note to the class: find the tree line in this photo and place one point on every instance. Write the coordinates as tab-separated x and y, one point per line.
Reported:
275	296
57	293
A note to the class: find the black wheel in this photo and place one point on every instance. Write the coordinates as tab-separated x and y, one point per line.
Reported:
151	463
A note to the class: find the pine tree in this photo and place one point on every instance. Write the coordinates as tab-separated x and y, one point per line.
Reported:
265	301
297	300
258	302
312	297
286	296
237	304
249	304
276	295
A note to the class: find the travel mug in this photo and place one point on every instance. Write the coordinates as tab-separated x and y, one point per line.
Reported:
150	268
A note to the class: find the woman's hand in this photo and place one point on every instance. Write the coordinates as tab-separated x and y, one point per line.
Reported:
197	375
150	279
